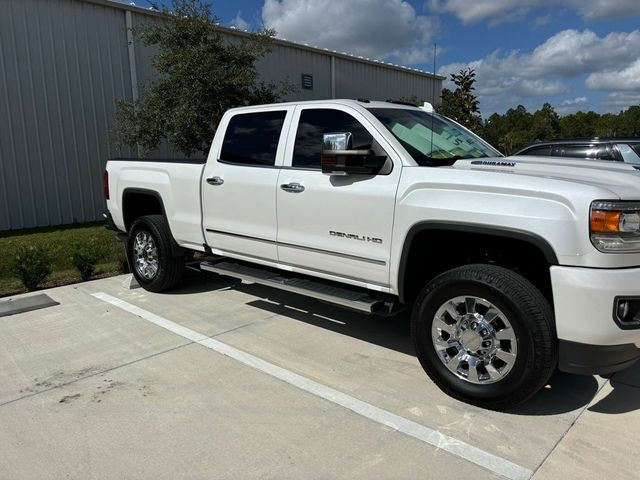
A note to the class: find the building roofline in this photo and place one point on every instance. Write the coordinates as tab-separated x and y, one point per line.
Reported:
281	41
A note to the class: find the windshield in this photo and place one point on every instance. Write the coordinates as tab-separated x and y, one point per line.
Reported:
432	139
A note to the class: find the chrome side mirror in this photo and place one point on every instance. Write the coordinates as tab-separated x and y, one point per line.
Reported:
338	157
337	141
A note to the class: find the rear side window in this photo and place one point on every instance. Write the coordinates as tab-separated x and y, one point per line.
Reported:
252	138
539	151
579	151
600	152
314	123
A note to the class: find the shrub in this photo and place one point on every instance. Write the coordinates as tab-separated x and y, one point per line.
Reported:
32	265
85	256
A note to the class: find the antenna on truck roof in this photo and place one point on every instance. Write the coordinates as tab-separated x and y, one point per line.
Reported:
433	96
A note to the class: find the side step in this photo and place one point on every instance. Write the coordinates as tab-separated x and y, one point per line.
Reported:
354	299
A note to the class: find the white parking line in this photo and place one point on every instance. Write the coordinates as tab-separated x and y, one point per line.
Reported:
458	448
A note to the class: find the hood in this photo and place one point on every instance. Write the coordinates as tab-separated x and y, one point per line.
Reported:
622	179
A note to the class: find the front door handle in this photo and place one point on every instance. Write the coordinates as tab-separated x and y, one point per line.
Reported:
292	187
215	181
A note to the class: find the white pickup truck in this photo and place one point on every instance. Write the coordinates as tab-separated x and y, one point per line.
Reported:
513	266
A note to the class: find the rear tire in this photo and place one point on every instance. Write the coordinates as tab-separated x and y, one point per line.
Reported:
485	335
150	251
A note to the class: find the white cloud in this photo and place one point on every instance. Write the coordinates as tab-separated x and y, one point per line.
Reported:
572	105
541	21
607	9
616	101
385	29
624	79
571	52
611	63
500	11
240	22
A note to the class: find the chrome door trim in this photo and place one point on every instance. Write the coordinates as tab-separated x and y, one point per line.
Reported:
300	247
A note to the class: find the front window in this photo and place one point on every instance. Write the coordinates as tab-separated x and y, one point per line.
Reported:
314	123
432	139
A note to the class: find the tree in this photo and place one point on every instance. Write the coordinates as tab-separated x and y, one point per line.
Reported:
630	122
200	76
608	125
579	125
461	104
545	123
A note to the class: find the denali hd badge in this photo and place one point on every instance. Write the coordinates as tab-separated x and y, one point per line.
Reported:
353	236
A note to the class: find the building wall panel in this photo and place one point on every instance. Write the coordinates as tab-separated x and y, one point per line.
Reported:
63	63
63	66
378	82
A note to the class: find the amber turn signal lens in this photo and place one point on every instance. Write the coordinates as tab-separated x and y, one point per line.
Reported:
603	221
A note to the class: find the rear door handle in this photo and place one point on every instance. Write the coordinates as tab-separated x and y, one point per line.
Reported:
215	181
292	187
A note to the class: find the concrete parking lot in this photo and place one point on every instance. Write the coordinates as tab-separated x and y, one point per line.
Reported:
220	379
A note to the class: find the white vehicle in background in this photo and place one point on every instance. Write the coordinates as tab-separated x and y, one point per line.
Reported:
513	267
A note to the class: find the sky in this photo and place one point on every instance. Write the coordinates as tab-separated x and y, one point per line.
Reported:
574	54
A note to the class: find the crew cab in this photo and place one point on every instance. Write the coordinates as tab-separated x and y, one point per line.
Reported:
513	267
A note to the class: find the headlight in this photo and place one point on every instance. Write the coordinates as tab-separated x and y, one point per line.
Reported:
615	226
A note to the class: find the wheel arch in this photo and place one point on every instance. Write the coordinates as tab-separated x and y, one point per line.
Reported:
427	228
152	204
149	202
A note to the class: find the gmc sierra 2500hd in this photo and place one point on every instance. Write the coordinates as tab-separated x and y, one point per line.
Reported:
514	266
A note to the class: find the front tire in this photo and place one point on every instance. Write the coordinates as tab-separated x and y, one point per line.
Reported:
485	335
151	255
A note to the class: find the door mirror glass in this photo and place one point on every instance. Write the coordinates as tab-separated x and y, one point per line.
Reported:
337	141
339	158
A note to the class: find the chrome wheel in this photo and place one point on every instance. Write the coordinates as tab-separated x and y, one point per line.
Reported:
145	255
474	340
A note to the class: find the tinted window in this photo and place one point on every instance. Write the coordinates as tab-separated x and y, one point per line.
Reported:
600	152
314	123
539	151
252	138
578	151
605	153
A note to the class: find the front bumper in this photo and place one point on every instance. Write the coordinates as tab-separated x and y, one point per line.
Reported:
596	359
590	340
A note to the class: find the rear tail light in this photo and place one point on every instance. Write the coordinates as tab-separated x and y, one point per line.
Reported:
105	185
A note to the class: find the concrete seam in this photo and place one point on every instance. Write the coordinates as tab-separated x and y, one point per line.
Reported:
555	446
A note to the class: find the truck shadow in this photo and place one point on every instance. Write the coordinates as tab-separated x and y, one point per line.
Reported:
564	393
197	282
623	395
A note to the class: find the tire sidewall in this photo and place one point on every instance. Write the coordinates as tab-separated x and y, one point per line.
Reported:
143	225
424	314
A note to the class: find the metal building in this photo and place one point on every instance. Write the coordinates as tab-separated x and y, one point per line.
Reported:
65	63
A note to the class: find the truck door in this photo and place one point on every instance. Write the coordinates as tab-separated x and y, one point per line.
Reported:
239	184
335	226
